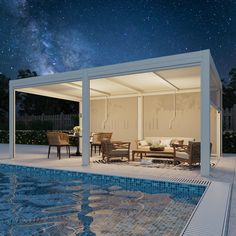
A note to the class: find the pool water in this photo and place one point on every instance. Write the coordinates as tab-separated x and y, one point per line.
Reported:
44	203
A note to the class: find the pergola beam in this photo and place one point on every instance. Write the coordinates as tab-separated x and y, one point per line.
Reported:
154	93
167	82
73	85
41	92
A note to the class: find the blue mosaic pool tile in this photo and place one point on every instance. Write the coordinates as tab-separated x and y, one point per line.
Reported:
149	186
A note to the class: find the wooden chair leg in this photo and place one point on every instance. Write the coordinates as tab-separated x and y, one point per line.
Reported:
69	150
91	147
99	150
49	149
59	152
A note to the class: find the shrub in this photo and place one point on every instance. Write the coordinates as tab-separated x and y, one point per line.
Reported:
229	142
37	137
4	136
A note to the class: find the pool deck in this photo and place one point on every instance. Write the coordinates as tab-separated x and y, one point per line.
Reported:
30	155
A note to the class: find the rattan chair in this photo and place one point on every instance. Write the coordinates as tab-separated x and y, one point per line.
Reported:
97	139
115	149
58	140
188	153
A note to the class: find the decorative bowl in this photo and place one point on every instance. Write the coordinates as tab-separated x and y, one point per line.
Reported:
161	148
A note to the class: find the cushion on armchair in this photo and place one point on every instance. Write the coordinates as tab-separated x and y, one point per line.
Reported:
176	141
183	155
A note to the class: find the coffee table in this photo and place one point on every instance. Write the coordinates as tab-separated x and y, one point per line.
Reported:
167	153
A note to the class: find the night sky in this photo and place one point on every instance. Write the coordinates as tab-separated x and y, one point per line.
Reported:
51	36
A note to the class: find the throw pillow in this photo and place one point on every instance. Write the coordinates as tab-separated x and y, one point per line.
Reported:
156	142
165	142
143	142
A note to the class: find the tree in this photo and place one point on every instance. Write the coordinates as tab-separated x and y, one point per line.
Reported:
229	90
26	74
4	101
232	77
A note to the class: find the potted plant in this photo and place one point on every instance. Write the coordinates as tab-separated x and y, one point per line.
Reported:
76	130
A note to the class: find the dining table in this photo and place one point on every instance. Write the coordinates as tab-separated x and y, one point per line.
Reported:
77	138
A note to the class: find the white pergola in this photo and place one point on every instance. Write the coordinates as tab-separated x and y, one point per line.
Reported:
183	73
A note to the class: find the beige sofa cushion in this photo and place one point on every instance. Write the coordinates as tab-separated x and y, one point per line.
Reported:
165	141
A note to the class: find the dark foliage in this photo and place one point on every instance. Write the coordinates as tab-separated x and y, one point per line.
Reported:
4	101
229	142
36	137
229	90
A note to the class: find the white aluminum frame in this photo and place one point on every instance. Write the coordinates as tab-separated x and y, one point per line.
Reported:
200	58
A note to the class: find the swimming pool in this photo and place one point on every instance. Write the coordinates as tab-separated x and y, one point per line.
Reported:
36	201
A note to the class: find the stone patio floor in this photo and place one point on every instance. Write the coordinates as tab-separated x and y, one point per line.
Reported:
31	155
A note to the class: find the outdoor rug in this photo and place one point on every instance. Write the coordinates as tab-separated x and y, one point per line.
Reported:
153	163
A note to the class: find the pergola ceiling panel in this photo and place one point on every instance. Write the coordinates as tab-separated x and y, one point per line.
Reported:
62	89
132	84
110	86
183	78
142	82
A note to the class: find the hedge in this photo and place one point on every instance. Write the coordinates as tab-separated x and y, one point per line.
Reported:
38	137
229	142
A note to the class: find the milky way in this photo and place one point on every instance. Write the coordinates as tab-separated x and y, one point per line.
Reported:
51	36
34	43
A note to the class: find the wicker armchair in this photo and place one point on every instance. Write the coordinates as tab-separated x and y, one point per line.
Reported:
115	149
57	139
97	139
188	153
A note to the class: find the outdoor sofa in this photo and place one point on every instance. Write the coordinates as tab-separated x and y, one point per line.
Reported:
167	142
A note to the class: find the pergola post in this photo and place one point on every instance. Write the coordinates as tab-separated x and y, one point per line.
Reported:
140	117
205	115
12	121
86	119
221	123
80	123
218	134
